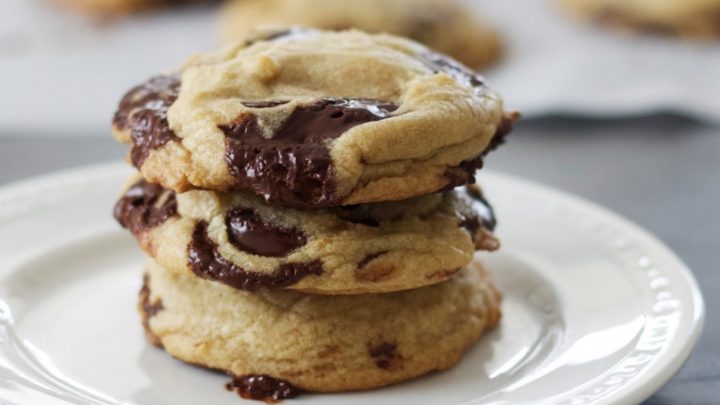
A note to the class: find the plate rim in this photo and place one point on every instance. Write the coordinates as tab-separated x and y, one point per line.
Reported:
639	389
647	384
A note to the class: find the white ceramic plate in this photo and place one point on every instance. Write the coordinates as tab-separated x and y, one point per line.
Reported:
596	310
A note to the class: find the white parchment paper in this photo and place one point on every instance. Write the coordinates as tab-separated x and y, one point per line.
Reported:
556	64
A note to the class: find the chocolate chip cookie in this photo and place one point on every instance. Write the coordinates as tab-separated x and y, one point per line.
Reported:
237	240
307	118
447	26
685	18
277	343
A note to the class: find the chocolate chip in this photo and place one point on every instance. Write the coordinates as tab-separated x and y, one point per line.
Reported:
465	172
385	355
279	35
206	261
250	233
145	206
439	63
293	166
148	310
477	214
143	111
355	215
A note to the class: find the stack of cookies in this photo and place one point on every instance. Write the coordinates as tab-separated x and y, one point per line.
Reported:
296	198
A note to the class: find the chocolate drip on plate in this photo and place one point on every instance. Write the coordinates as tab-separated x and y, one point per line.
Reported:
263	104
263	388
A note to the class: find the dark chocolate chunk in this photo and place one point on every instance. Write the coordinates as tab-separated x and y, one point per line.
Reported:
311	124
465	172
279	35
263	104
145	206
502	131
353	214
439	63
385	355
477	214
250	233
206	261
143	111
263	388
481	206
292	166
148	310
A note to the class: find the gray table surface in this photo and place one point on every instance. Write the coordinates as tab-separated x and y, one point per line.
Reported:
662	172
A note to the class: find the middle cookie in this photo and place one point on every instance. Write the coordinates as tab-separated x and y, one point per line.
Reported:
236	239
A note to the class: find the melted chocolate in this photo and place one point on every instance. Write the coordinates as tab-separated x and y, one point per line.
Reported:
208	263
465	172
263	388
148	310
292	33
143	111
145	206
439	63
502	131
384	354
482	207
477	214
350	213
292	166
263	104
250	233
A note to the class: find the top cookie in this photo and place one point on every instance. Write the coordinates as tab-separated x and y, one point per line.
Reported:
309	118
444	25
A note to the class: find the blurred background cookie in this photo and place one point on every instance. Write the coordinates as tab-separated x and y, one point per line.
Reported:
684	18
444	25
120	7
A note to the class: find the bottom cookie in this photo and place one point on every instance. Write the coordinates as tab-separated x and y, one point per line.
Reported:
279	343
